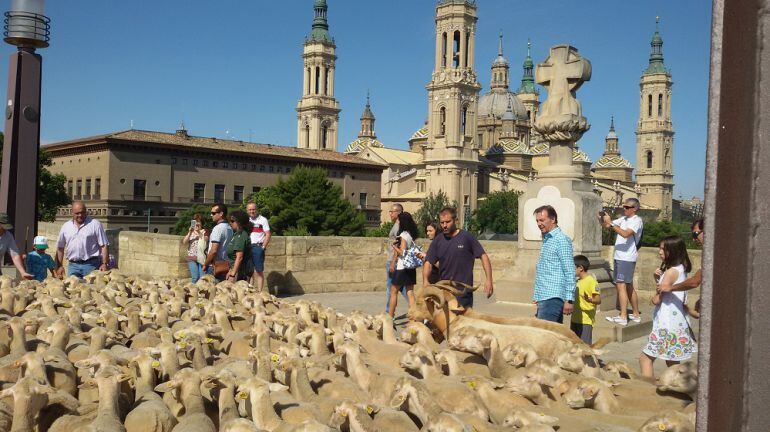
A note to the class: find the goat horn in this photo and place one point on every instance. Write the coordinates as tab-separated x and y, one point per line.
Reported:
433	292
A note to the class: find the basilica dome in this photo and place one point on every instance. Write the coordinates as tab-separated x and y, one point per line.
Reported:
495	103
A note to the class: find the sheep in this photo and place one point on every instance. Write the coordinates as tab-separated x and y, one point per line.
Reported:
257	393
353	417
229	420
149	413
680	378
499	404
415	332
591	393
520	354
669	421
620	369
29	398
107	418
185	385
485	344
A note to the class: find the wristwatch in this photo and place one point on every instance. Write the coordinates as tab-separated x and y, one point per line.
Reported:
570	301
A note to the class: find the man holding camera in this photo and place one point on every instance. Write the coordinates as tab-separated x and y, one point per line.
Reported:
629	237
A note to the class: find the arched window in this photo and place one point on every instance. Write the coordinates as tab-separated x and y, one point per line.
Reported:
463	121
309	74
660	105
326	81
456	50
649	105
529	114
649	159
317	79
324	136
307	136
443	49
442	121
467	45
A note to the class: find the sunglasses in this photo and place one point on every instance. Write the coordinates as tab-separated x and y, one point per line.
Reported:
695	234
213	213
628	207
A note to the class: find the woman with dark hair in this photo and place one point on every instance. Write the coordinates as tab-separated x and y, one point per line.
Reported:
239	249
406	277
430	231
672	337
196	241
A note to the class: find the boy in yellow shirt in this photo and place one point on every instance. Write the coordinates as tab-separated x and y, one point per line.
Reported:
587	298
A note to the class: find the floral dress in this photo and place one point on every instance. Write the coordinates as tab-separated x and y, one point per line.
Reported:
671	337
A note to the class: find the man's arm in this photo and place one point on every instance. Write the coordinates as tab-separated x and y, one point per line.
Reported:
105	250
59	270
568	271
608	223
19	264
213	249
489	287
267	239
690	283
426	270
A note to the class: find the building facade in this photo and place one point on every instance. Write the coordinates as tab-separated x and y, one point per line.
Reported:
140	180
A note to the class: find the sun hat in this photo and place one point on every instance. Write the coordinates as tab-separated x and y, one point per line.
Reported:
40	242
4	222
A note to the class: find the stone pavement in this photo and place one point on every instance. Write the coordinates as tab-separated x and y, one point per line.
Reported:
627	349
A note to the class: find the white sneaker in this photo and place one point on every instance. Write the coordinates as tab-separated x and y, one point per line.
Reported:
635	318
617	320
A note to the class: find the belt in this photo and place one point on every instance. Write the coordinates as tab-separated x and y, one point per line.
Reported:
84	261
257	244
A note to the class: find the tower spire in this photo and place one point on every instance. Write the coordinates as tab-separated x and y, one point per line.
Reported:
500	47
320	29
367	121
500	69
611	140
656	65
528	79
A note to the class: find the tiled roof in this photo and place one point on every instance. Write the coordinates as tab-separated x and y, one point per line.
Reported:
579	155
398	157
213	144
420	133
612	161
509	146
360	143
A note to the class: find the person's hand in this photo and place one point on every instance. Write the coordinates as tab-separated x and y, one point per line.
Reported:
586	297
103	267
58	272
489	288
568	307
205	269
606	220
27	276
392	267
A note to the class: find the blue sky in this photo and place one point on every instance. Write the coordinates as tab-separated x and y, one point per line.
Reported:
236	68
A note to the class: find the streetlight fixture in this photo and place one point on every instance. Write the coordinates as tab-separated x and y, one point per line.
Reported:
28	29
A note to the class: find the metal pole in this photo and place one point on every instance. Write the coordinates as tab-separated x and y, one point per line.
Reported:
149	211
18	187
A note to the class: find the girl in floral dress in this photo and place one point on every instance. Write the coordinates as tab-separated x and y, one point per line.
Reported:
671	338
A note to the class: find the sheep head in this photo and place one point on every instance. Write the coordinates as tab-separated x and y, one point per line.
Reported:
669	421
417	357
475	341
681	378
519	354
519	419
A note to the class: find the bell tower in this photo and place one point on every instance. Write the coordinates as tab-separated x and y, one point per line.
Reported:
318	111
655	133
451	155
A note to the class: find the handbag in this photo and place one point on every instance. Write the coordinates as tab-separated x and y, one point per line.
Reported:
411	257
221	268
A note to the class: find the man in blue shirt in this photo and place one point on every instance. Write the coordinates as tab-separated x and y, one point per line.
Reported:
555	271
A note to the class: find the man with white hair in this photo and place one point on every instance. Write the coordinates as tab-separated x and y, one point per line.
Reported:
629	229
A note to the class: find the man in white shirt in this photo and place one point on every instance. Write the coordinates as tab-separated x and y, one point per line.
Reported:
629	230
260	238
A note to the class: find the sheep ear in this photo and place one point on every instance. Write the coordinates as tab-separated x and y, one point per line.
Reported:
563	387
275	387
90	384
82	364
589	392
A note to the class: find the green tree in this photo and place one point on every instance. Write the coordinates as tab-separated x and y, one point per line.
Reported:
430	208
498	213
381	231
655	231
51	193
183	221
308	202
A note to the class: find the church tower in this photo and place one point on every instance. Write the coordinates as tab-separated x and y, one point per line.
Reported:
367	122
528	94
655	134
452	155
318	111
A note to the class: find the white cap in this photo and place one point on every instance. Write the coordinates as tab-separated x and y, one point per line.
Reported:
40	242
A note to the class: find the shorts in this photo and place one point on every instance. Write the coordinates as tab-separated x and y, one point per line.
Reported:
624	271
405	277
258	257
583	331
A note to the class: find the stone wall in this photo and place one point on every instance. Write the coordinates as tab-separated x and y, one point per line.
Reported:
296	265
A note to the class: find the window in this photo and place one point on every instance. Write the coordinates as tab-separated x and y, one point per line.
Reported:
255	189
307	91
205	162
238	193
279	169
199	191
317	79
195	162
78	188
307	136
173	161
215	164
184	162
443	49
225	164
219	192
244	166
649	105
140	188
253	167
649	159
442	121
463	120
88	186
481	140
324	136
660	105
362	199
235	165
69	187
288	170
333	174
97	188
261	168
456	49
326	81
272	168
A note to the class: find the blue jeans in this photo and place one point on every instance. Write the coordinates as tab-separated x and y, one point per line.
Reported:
83	268
390	284
196	270
551	309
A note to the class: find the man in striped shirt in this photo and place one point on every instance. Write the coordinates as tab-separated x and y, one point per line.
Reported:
555	271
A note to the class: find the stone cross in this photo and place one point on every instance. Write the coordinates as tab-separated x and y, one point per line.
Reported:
562	73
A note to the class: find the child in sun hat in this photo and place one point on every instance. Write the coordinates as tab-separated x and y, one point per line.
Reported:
39	262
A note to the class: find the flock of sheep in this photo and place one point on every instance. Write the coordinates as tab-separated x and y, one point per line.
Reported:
119	353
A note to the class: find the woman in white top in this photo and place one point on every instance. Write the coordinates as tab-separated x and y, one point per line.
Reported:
403	263
672	338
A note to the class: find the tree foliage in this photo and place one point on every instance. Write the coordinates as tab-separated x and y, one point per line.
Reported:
498	213
51	193
381	231
307	202
183	221
430	208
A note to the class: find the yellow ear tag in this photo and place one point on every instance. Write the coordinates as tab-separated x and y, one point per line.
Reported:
118	309
369	409
209	340
413	331
182	345
661	427
180	335
274	358
155	364
242	395
100	321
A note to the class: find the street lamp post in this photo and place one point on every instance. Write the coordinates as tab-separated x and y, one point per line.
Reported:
28	29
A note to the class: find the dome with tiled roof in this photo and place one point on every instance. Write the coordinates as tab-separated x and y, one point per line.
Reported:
509	146
579	155
613	161
540	148
361	143
420	133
